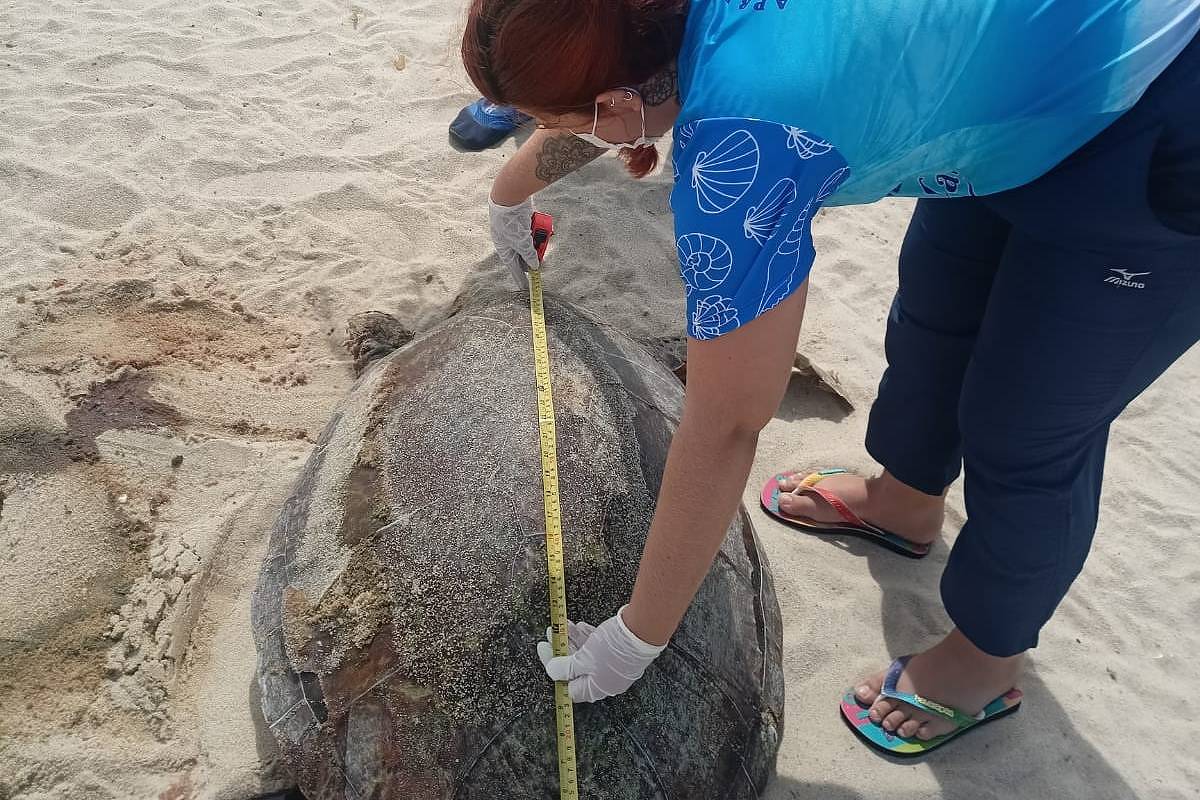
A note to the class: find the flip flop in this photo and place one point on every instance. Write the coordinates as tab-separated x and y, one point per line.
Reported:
852	524
483	124
859	720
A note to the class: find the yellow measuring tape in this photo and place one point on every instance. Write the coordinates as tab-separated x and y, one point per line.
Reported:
564	715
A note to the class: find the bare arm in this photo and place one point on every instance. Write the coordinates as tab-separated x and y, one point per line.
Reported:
545	157
735	383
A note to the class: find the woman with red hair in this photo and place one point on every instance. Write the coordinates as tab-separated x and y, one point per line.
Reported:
1049	275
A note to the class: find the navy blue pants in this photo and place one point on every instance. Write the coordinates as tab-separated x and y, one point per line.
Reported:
1024	323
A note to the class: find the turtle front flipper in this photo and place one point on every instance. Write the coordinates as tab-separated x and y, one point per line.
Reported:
671	352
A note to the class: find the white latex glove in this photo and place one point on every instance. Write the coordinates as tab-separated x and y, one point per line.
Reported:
604	661
513	238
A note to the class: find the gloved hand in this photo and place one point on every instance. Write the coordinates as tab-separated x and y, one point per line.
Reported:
604	661
513	238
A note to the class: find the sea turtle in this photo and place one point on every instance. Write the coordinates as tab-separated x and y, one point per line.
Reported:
405	584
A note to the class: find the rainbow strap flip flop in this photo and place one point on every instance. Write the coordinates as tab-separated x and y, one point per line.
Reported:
859	720
852	524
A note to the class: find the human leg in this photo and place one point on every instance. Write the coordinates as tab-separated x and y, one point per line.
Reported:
1078	324
947	264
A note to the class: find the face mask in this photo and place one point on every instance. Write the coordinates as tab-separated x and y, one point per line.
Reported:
596	141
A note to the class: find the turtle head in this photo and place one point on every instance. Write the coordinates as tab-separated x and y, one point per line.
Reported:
372	335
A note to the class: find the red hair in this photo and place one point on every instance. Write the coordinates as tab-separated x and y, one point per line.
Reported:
557	55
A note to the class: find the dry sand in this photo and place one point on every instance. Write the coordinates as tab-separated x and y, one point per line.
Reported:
195	196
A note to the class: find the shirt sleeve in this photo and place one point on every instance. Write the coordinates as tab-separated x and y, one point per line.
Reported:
745	193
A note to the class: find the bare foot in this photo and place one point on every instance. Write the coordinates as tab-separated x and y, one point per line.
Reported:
882	501
953	673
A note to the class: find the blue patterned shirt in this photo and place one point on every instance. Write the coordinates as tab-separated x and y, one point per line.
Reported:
788	105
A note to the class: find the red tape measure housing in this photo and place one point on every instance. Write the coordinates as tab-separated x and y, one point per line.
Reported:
542	227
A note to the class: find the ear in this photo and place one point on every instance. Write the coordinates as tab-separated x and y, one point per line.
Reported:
617	100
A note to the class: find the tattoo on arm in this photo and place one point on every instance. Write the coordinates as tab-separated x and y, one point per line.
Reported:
561	155
662	87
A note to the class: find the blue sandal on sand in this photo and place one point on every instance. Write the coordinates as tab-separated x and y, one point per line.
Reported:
483	124
859	720
851	525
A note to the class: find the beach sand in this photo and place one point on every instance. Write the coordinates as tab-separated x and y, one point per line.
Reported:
194	197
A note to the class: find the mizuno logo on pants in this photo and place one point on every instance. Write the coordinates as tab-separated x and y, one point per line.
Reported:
1124	277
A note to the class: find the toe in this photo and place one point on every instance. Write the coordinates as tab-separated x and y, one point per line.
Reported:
798	506
910	727
894	720
881	709
867	691
788	506
933	728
